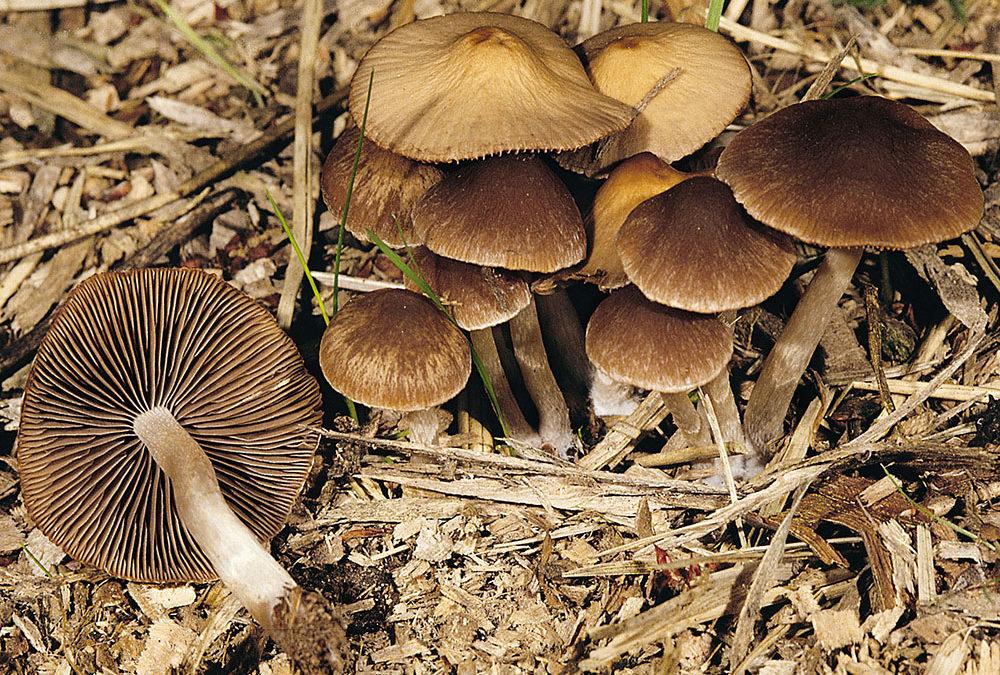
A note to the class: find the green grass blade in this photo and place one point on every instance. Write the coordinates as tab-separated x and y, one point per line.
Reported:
300	255
350	191
713	15
844	86
210	53
644	16
351	407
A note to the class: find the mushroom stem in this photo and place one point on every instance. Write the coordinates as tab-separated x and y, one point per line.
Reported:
529	350
788	359
720	391
263	586
486	348
687	420
561	326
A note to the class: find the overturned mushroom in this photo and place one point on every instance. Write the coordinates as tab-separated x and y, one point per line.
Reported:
164	435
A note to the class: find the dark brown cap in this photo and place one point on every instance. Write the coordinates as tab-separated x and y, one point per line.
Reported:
386	187
394	349
633	340
693	247
467	85
477	297
863	171
630	183
123	343
509	211
711	88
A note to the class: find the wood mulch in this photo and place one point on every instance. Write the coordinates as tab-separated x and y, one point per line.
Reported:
868	546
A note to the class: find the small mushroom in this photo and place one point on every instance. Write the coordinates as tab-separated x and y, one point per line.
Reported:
393	349
638	342
164	435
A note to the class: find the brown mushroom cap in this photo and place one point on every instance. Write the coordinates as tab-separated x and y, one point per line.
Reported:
508	211
123	343
633	340
711	88
863	171
477	297
386	187
394	349
467	85
693	248
630	183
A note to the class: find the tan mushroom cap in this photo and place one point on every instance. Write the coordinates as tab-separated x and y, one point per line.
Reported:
710	90
507	211
477	297
394	349
633	340
693	248
630	183
123	343
386	187
473	84
863	171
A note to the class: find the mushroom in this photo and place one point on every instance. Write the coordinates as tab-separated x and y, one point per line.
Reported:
472	84
729	262
393	349
844	173
685	82
386	187
511	211
164	435
633	340
479	298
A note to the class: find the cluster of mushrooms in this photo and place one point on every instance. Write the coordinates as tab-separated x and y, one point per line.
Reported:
165	429
465	117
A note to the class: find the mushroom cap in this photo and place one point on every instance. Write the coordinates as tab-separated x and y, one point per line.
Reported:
633	340
508	211
472	84
693	248
123	343
630	183
394	349
710	90
862	171
477	297
386	187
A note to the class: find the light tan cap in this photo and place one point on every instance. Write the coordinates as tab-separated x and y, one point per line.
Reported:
692	247
394	349
862	171
477	297
473	84
633	340
386	187
123	343
508	211
711	88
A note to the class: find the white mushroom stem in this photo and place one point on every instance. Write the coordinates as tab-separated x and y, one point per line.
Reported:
242	563
690	426
720	391
788	359
302	623
486	348
529	350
